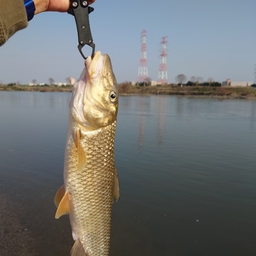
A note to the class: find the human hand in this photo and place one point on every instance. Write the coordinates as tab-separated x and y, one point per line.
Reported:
53	5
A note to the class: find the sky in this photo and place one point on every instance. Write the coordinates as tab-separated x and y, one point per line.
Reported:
206	38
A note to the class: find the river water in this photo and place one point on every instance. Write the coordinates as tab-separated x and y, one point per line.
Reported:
186	166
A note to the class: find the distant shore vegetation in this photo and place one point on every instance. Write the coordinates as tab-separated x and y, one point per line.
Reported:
203	89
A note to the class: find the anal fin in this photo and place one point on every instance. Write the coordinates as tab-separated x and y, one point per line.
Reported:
64	206
77	249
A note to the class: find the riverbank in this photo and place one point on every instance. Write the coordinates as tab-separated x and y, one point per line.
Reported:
192	91
36	88
127	89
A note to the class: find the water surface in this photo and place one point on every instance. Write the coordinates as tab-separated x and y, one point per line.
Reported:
186	168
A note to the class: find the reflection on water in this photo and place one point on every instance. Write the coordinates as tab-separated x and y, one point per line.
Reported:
161	114
141	114
186	167
143	108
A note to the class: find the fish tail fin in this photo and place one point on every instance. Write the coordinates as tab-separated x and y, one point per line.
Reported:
77	249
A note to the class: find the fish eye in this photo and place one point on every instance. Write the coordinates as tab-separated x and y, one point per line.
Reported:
112	96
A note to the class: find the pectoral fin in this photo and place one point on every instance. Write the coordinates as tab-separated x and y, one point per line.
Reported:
116	192
64	206
81	155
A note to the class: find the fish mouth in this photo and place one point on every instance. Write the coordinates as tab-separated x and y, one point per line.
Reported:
94	65
97	65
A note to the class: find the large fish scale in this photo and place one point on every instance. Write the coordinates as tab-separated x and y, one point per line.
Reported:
91	190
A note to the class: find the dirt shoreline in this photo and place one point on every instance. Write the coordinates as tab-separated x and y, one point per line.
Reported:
27	223
15	238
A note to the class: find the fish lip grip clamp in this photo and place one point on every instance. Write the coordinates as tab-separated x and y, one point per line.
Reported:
80	9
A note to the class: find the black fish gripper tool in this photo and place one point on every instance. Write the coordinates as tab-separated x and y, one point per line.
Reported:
80	9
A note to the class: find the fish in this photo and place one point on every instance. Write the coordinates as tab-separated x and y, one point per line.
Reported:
91	182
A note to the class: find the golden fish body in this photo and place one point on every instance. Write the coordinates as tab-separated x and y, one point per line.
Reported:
90	177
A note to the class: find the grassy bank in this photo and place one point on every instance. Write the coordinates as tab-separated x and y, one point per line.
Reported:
127	89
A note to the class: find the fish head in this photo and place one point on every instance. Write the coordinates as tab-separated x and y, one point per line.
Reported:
94	101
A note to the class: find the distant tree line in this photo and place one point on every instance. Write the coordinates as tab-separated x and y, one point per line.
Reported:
181	79
146	82
212	84
11	84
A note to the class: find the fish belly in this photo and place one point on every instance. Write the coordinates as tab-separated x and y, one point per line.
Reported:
91	190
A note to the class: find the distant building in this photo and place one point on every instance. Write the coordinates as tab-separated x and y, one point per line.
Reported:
59	84
228	82
154	83
240	84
